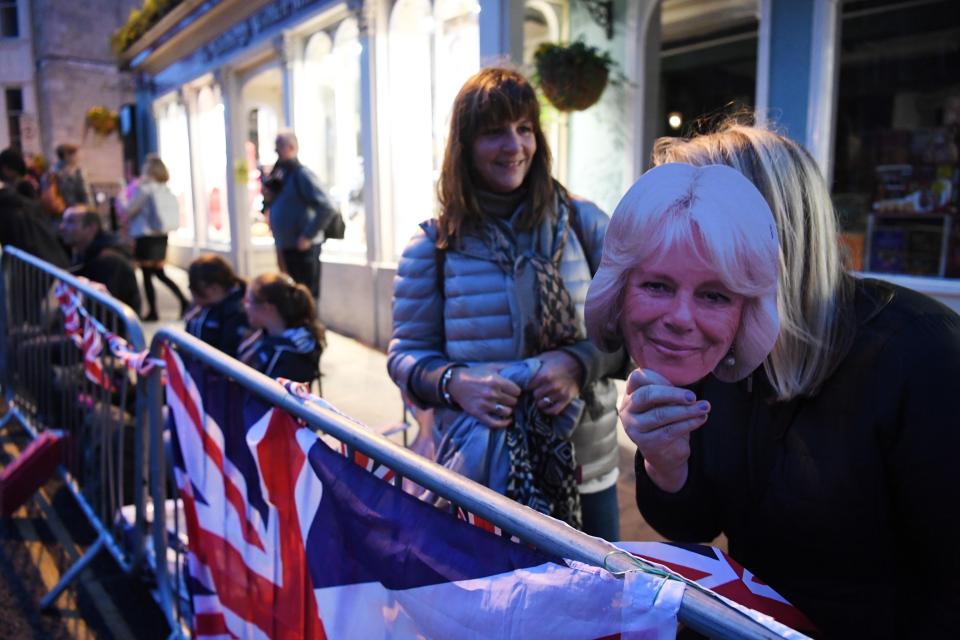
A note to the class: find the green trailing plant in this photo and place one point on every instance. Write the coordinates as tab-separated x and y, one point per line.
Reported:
572	76
139	22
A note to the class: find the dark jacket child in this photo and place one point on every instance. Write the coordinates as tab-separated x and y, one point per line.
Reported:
217	316
288	340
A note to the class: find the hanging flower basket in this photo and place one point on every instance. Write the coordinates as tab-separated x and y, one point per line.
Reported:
572	76
102	121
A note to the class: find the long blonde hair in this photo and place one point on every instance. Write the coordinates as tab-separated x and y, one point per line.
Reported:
814	291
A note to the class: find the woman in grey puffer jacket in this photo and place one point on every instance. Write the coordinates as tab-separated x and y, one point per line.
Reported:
500	279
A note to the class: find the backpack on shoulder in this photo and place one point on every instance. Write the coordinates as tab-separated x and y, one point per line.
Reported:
166	210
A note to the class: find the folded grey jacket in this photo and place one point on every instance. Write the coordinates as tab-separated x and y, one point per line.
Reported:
480	453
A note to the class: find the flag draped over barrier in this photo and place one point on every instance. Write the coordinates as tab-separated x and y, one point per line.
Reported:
89	335
290	539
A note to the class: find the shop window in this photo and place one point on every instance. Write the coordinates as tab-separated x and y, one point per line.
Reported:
174	149
328	125
9	25
446	40
14	103
708	63
262	98
541	24
210	168
895	174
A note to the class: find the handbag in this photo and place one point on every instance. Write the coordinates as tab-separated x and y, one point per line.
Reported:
51	199
336	228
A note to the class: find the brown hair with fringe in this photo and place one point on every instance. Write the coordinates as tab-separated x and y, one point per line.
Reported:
211	269
490	98
292	300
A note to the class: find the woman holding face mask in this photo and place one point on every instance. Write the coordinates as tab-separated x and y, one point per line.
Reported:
831	466
496	286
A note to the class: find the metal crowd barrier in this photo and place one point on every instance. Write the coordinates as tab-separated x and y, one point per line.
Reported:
698	610
45	388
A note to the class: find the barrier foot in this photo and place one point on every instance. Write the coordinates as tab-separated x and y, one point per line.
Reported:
73	572
11	413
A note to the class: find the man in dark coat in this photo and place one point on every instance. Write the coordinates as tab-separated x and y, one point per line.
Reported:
21	226
299	213
98	256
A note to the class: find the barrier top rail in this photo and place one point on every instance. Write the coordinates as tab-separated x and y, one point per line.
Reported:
698	610
130	318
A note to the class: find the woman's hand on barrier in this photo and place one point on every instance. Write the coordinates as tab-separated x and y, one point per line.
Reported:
557	382
485	394
659	417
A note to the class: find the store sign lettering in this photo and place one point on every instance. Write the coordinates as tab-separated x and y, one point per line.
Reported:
242	33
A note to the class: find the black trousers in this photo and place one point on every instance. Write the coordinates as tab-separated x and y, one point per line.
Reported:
304	267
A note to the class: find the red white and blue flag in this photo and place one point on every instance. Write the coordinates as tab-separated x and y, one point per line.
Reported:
288	538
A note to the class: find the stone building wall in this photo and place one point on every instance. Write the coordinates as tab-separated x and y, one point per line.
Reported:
76	70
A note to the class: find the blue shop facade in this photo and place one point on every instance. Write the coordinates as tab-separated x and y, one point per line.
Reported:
367	87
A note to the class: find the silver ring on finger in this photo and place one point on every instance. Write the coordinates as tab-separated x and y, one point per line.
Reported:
547	401
498	409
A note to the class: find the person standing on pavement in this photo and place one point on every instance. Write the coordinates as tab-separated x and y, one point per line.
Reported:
151	214
299	213
69	177
500	279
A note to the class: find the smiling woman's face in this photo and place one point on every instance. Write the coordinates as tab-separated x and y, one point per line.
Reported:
678	317
502	155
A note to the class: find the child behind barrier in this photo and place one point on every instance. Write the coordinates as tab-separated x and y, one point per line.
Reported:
217	316
288	339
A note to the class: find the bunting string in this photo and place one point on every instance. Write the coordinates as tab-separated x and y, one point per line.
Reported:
89	335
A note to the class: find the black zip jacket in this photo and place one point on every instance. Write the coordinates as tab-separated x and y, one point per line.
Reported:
848	502
222	325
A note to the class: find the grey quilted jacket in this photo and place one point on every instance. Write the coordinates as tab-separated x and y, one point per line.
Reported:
476	319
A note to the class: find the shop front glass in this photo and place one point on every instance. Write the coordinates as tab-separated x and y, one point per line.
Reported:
895	172
542	23
210	166
174	148
708	63
445	39
262	97
327	113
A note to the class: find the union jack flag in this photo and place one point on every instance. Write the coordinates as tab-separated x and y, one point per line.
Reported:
711	568
290	539
92	346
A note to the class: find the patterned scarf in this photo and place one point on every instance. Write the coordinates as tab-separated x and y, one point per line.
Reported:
543	471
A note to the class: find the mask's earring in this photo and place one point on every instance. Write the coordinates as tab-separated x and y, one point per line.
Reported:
730	360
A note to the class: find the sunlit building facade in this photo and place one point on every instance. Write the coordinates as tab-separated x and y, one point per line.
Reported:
367	86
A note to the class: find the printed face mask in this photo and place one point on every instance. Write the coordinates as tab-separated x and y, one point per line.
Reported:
678	317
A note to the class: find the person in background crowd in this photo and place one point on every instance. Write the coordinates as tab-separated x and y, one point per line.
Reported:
69	177
13	171
299	212
22	225
98	255
287	340
217	316
146	215
832	469
499	278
